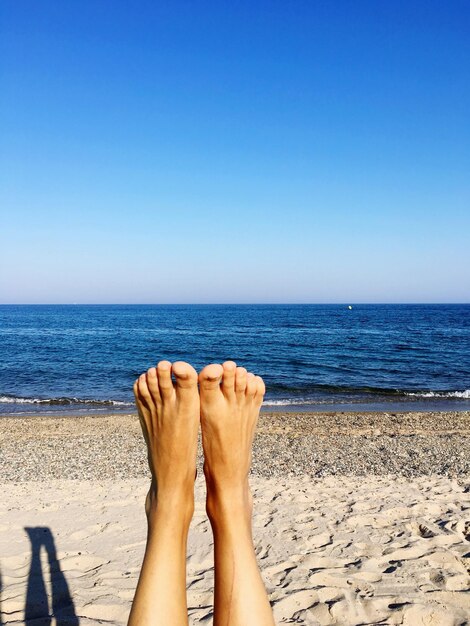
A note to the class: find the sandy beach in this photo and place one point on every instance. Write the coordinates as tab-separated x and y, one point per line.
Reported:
360	518
243	229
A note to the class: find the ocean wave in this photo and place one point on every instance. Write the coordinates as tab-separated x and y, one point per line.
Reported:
287	402
362	395
441	394
326	390
61	401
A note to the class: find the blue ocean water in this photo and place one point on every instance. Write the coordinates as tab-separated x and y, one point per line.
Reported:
76	358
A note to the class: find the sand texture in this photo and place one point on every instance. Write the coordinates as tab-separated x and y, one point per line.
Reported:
362	546
332	551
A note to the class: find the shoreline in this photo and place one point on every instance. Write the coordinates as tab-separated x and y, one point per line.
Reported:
419	405
396	421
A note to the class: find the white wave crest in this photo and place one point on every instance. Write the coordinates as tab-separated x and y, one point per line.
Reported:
442	394
13	400
9	400
287	402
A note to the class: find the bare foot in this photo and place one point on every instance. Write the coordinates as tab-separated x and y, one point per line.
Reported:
230	402
169	416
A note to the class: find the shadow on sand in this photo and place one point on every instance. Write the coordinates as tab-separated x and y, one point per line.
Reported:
38	611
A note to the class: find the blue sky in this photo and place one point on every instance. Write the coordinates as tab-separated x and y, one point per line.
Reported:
282	151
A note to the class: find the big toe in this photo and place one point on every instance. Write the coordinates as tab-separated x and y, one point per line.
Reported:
210	377
185	379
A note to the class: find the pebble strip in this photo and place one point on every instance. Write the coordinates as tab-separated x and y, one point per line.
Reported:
39	448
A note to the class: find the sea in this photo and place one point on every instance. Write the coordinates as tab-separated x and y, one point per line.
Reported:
73	359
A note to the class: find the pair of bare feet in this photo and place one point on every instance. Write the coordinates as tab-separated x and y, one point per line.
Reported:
172	402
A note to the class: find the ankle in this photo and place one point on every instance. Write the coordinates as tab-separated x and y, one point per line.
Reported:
176	505
229	503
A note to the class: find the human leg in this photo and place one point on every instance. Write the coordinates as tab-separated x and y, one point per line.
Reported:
169	416
230	402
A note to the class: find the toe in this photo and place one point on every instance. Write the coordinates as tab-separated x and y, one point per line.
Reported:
165	384
143	406
260	387
228	380
185	380
152	384
210	377
251	385
240	380
185	374
143	390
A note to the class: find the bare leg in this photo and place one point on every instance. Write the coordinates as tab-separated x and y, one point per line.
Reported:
169	416
230	404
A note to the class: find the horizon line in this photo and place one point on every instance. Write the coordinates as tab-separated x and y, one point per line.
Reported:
343	303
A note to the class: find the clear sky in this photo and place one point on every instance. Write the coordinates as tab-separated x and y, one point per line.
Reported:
234	151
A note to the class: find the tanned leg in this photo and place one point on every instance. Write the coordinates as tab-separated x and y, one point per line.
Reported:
230	402
169	416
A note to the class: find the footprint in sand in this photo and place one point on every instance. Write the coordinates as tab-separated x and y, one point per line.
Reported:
288	608
362	589
317	614
326	579
448	561
408	553
278	573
